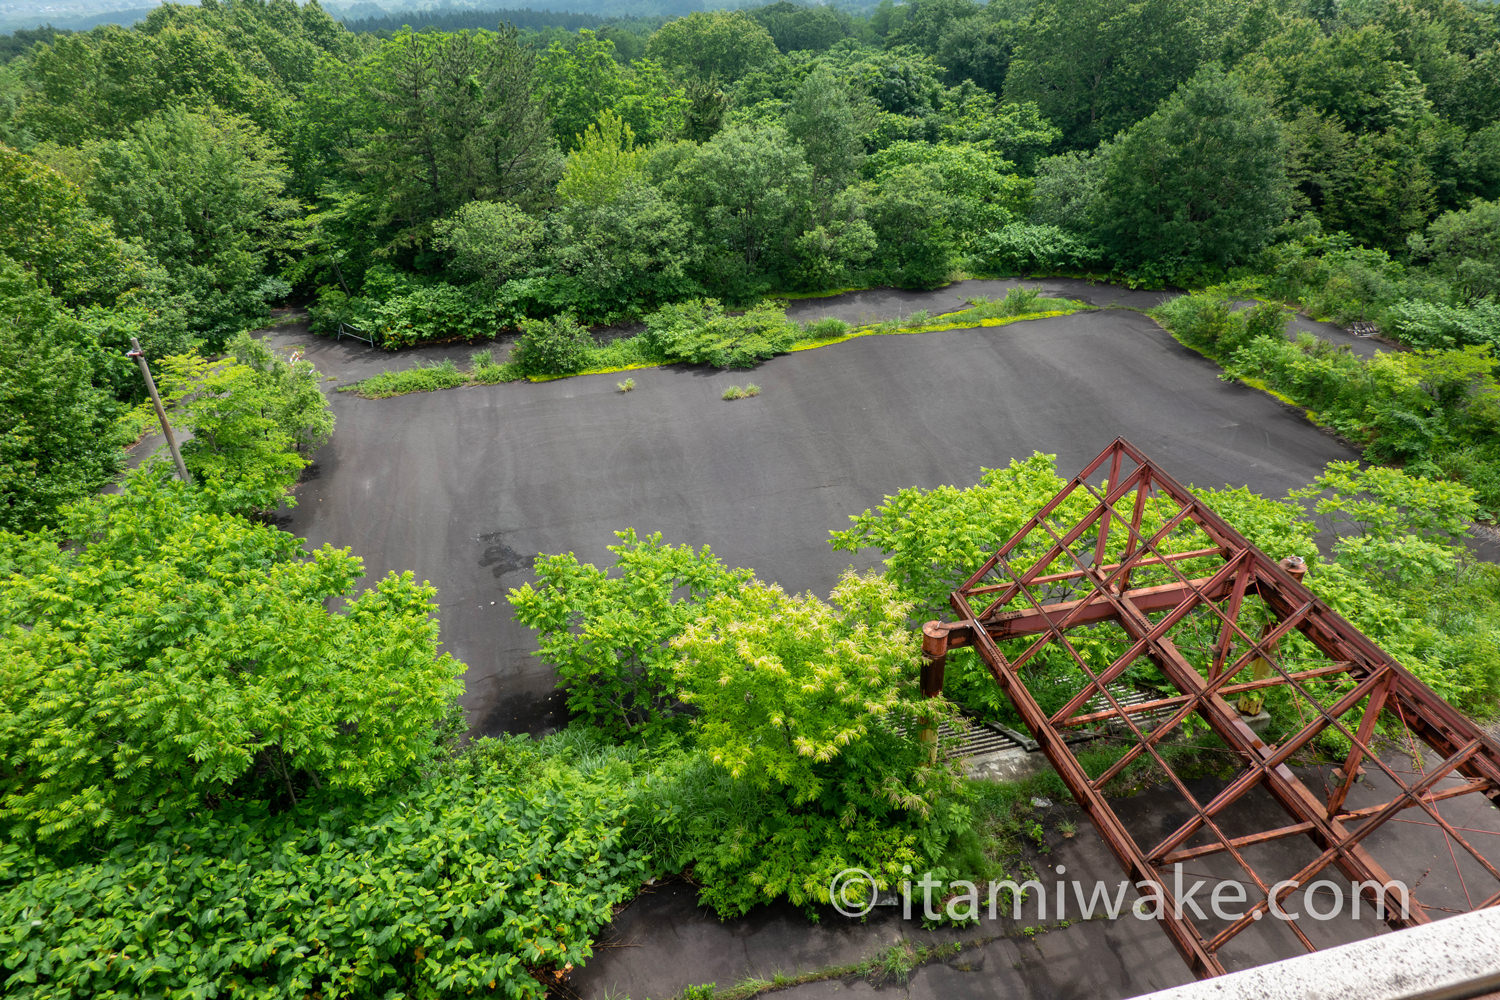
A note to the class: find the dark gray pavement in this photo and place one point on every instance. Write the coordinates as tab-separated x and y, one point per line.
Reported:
464	487
873	305
662	941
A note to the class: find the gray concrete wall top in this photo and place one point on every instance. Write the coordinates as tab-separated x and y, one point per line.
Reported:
1444	960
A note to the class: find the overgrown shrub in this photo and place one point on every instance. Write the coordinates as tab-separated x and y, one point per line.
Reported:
824	329
557	345
422	377
606	635
807	714
1332	278
701	332
478	881
1208	323
400	309
172	659
1028	248
1435	325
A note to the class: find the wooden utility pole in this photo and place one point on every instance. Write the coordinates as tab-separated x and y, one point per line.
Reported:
161	413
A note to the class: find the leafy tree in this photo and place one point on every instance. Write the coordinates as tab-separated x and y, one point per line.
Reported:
744	192
978	47
808	713
835	251
909	210
454	119
604	162
1390	526
60	442
927	21
606	635
623	257
830	122
655	105
46	227
1067	187
1464	248
203	192
796	27
583	80
296	402
784	684
84	86
253	420
579	81
490	241
1352	76
172	659
980	192
1391	192
1201	183
1016	132
1095	67
719	46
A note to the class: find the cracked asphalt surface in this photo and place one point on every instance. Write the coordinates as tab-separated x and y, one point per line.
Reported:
463	487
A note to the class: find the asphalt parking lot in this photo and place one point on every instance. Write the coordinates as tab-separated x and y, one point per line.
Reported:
464	487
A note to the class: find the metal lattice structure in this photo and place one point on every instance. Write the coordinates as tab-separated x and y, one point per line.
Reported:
1125	570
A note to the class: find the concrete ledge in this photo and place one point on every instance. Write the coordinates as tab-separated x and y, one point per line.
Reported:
1451	959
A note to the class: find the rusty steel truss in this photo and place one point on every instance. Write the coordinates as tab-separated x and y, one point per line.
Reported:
1127	553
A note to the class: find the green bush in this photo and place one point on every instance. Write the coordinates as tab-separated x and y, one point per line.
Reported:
1328	379
1433	325
606	635
557	345
402	310
60	444
811	769
700	332
1332	278
475	882
1027	248
171	659
824	329
1207	323
1477	467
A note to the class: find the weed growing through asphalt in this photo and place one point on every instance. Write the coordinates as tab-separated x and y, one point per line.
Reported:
626	385
422	378
891	965
745	392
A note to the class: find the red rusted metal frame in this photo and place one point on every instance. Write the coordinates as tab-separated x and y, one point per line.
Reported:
1185	937
1326	718
1377	681
1333	670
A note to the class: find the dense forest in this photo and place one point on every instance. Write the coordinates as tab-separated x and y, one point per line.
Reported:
172	183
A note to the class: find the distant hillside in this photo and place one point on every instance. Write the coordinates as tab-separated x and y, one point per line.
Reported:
570	14
458	20
363	15
17	20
